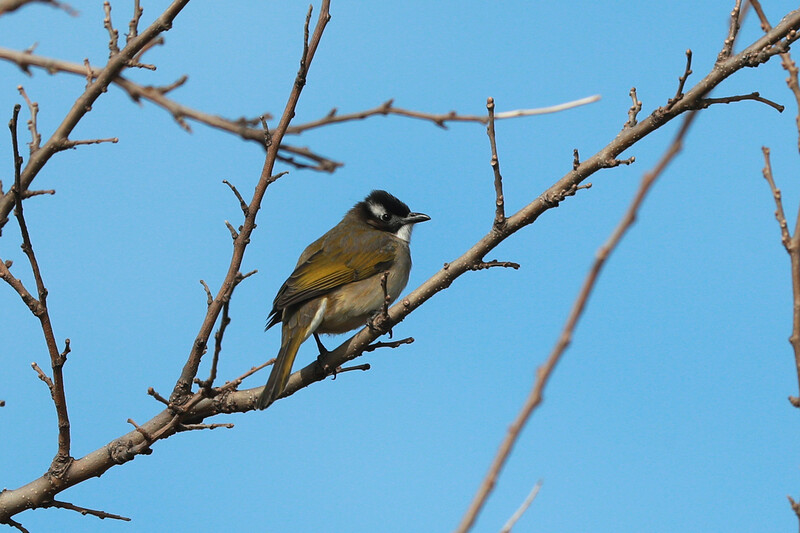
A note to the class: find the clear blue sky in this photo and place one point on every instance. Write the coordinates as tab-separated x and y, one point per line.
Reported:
669	411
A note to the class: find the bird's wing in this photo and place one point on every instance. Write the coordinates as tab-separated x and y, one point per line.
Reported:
329	268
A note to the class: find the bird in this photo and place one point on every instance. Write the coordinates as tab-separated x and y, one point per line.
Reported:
336	285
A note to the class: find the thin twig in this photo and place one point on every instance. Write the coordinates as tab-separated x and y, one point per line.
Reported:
787	63
233	385
703	103
152	392
6	6
133	26
440	119
682	80
544	372
392	344
113	35
86	511
733	31
67	144
209	297
483	265
790	241
33	107
189	372
500	213
522	508
780	216
57	359
197	427
242	203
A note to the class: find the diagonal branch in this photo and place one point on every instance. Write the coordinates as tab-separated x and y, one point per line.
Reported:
57	360
184	382
545	371
751	56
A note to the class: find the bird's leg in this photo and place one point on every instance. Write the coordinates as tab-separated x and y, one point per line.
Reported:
323	351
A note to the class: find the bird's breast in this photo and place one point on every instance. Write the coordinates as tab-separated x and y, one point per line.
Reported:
351	305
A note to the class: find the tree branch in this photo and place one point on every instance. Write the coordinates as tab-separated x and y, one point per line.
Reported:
545	371
81	106
39	309
183	384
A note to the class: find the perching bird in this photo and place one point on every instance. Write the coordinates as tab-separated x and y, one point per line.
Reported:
336	285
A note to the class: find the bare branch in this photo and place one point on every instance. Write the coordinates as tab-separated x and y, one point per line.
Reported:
682	80
500	213
733	31
85	510
242	203
522	508
786	238
197	427
133	26
57	359
787	63
67	144
152	392
393	344
83	103
388	108
209	297
483	265
707	102
233	385
790	242
113	35
33	107
189	372
7	6
29	194
544	372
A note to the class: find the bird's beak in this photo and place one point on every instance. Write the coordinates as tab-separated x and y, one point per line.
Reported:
413	218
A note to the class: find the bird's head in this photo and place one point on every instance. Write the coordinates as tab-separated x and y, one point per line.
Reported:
384	212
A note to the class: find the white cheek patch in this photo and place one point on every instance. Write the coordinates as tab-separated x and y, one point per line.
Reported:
404	233
377	210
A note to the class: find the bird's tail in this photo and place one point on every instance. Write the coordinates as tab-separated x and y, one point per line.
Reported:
281	370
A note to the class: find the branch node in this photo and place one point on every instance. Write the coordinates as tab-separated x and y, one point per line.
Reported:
152	392
636	106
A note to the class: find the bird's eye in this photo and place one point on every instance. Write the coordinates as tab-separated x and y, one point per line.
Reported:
386	217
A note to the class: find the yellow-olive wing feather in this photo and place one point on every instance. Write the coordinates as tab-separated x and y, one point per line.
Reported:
343	257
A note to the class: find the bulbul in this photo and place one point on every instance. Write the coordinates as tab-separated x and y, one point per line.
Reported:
336	285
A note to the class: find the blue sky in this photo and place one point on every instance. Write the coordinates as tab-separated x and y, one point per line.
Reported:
668	412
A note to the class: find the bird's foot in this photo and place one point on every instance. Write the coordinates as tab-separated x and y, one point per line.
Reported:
323	352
